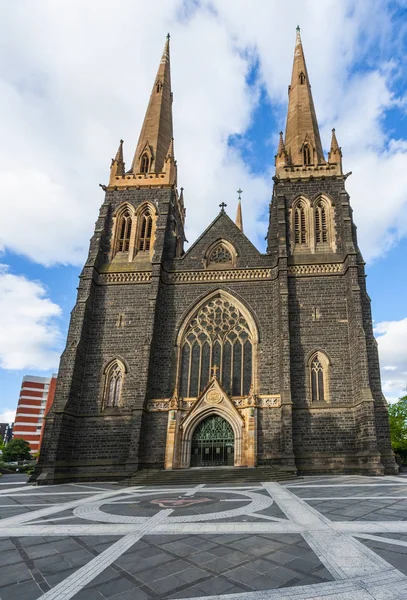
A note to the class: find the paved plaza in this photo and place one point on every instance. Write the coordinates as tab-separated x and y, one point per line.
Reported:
339	538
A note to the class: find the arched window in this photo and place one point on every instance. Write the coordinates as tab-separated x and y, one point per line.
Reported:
321	225
113	384
217	335
145	230
302	78
159	86
306	152
319	367
124	232
220	255
145	163
300	229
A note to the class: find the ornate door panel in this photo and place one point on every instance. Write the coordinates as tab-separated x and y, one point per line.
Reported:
212	443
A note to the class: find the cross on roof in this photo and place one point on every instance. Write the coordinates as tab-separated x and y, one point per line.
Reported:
239	191
215	369
222	206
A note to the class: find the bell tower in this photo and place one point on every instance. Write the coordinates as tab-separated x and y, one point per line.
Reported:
334	379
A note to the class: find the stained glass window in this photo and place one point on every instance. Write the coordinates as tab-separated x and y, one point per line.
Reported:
218	334
220	255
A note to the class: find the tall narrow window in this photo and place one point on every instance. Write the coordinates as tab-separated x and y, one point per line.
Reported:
218	335
300	230
302	78
124	229
306	151
113	385
319	365
321	227
146	228
145	163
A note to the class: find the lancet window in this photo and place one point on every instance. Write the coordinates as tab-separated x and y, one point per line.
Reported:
219	337
306	152
319	366
124	230
302	78
145	230
321	225
113	384
300	227
145	163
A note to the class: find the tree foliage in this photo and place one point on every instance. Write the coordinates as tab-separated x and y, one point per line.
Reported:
16	449
398	426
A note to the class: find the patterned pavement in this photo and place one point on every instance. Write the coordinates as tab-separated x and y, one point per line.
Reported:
339	538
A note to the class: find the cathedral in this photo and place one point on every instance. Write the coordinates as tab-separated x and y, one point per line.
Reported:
220	355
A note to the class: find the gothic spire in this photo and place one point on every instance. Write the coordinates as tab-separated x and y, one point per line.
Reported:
335	153
302	139
117	167
239	217
156	133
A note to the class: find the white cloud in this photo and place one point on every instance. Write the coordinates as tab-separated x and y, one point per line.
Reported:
8	416
392	339
70	88
29	333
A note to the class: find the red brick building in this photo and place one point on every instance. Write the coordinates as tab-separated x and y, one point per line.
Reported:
36	398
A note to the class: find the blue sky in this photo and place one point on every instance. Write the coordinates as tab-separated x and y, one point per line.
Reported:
70	89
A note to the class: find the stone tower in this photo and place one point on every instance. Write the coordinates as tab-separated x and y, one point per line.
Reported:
220	355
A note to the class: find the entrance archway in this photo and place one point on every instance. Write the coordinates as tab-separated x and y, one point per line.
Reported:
213	443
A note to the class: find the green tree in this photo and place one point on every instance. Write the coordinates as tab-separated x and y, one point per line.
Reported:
398	426
16	449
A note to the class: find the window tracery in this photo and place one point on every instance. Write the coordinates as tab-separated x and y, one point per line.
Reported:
220	255
300	228
306	152
319	367
124	228
145	230
321	225
218	335
113	385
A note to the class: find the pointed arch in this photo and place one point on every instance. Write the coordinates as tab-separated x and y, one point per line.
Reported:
123	226
146	219
219	332
324	229
113	384
300	224
144	163
307	154
319	377
220	254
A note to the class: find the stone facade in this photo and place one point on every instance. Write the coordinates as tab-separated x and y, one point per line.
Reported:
310	398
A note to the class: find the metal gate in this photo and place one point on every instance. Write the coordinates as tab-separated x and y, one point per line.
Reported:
213	443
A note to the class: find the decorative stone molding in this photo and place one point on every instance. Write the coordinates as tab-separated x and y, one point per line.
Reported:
326	269
158	405
269	401
137	277
218	275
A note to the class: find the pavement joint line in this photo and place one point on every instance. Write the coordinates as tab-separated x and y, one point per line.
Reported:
73	584
342	555
18	489
44	512
341	485
194	490
356	498
377	538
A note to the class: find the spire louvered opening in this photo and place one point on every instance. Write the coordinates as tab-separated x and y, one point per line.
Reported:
306	153
321	226
300	230
145	163
124	228
146	228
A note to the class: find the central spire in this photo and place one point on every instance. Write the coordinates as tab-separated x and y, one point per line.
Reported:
156	136
302	139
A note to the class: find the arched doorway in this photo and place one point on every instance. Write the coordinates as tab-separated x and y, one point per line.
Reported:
213	443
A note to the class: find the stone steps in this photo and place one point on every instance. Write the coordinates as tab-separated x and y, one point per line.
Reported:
209	475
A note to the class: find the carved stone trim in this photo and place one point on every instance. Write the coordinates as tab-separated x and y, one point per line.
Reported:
137	277
273	401
326	269
218	275
269	401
